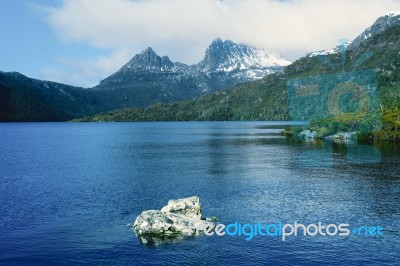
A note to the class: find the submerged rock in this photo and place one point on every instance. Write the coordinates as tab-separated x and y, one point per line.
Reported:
179	218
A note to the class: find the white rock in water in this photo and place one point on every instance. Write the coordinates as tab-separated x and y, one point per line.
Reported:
308	134
189	207
179	217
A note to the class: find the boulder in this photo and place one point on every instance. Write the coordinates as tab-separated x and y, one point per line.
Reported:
308	134
179	218
343	136
189	207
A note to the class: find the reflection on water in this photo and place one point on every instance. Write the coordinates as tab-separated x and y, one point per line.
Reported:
157	240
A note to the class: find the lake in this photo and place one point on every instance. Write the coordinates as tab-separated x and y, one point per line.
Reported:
70	191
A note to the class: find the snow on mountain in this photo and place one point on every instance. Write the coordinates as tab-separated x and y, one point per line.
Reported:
381	24
148	60
227	56
337	49
225	61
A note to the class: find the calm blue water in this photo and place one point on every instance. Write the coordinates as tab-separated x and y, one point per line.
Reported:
69	190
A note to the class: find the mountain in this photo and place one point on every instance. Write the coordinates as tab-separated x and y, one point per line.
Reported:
149	78
383	23
376	50
248	62
267	99
146	79
335	50
26	99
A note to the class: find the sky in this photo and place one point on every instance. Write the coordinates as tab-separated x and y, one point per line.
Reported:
80	42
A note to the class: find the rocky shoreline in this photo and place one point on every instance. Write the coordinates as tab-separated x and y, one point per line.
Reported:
309	134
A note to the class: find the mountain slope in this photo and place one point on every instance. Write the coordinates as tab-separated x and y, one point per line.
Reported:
148	78
267	99
381	24
26	99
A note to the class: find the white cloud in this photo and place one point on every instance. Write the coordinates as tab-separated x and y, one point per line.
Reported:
182	29
86	73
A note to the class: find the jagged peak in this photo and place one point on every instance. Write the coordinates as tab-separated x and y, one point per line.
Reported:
146	53
220	56
227	56
148	58
148	50
217	41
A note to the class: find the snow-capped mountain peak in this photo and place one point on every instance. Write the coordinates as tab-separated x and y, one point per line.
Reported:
224	65
228	56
